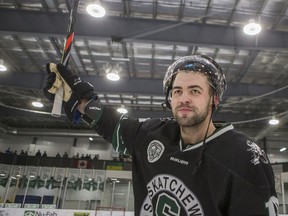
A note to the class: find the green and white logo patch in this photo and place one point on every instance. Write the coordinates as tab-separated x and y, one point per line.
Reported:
168	195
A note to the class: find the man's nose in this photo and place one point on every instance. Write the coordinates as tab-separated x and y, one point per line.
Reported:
185	97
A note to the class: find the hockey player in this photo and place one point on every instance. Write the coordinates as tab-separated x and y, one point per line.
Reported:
185	165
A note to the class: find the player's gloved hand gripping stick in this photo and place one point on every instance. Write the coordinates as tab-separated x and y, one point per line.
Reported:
57	106
75	90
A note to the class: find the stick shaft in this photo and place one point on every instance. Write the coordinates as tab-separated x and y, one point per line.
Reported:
57	105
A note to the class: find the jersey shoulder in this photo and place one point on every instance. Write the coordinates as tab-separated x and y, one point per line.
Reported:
156	124
241	155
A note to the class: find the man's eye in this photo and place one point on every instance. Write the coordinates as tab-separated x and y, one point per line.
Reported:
176	92
195	91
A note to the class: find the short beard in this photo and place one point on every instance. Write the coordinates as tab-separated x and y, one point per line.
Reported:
194	120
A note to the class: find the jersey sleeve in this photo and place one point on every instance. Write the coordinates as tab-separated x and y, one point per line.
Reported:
125	135
250	199
111	125
253	189
244	174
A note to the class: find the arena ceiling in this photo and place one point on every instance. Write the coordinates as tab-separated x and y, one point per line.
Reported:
144	38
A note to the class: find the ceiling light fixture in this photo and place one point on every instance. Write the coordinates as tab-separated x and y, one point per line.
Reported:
273	121
37	104
95	10
113	76
122	110
252	28
112	72
283	149
2	66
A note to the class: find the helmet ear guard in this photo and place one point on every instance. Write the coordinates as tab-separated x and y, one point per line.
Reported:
167	103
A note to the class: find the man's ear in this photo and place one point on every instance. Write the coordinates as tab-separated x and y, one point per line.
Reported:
216	100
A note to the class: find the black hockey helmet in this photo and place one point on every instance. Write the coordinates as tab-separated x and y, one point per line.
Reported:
195	63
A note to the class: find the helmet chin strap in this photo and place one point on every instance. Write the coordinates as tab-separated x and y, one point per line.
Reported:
200	159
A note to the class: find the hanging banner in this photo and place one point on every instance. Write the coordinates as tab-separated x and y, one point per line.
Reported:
73	178
31	175
4	174
86	174
86	178
99	175
59	175
99	179
18	171
32	182
73	174
49	183
45	175
32	171
4	170
97	185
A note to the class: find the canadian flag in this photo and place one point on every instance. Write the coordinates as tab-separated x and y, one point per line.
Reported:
84	164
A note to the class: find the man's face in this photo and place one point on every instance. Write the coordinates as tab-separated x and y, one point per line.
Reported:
190	98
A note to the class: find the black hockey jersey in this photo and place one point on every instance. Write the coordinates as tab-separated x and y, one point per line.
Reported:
230	175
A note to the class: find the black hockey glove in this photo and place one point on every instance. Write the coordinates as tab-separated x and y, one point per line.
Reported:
74	89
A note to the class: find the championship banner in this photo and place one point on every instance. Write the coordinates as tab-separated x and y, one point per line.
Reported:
4	170
86	174
4	174
73	178
58	177
18	171
31	175
59	173
86	177
32	171
97	185
45	175
99	177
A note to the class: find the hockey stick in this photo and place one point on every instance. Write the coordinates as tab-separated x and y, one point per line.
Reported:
57	105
